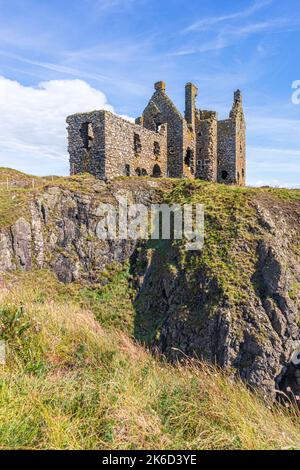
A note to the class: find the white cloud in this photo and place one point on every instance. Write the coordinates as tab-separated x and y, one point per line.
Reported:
33	134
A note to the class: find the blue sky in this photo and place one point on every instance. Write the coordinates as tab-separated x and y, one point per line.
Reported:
65	56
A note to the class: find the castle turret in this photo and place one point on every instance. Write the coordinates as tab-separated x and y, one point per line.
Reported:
206	145
237	107
191	92
238	118
232	145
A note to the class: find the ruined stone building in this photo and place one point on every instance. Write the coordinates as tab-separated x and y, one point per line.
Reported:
162	142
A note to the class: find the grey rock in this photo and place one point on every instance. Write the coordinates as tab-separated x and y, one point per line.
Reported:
21	237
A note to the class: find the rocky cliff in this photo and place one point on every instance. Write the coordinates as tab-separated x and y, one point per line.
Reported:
234	303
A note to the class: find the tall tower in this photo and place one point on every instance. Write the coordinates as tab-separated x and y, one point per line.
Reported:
191	92
232	145
206	145
238	119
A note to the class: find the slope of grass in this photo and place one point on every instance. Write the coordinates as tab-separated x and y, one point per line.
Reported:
70	382
14	176
16	189
74	376
230	220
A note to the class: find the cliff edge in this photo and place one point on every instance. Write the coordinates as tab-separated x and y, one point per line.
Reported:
234	303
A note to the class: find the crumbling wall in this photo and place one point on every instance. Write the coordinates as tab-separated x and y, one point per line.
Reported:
206	145
189	153
162	142
160	110
189	136
191	92
106	145
232	145
237	115
131	144
87	143
226	152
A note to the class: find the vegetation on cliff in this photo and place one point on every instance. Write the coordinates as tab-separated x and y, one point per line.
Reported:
79	370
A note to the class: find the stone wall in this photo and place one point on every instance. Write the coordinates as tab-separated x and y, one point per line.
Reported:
191	92
232	145
131	144
160	110
206	147
87	143
161	142
226	152
106	145
237	115
189	153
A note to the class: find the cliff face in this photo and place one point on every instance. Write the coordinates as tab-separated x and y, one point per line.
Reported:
235	302
253	329
58	229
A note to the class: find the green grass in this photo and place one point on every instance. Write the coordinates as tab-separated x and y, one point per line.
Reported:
76	379
70	383
230	218
111	301
13	204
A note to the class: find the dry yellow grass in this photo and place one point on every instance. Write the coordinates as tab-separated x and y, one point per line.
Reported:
69	383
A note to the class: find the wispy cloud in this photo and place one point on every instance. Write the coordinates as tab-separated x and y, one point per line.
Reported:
115	51
79	73
230	36
103	6
227	30
207	23
213	45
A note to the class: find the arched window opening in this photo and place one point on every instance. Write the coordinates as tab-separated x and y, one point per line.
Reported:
138	171
156	171
144	172
87	135
158	126
224	174
127	170
188	158
137	144
156	149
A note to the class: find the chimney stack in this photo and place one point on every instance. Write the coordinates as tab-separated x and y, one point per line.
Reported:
160	86
191	92
238	96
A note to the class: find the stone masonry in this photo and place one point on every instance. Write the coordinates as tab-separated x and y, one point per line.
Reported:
232	145
106	145
162	142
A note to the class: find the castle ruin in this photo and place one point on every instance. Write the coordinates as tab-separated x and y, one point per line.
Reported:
162	142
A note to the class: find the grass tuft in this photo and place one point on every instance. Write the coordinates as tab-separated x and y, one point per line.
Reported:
71	383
